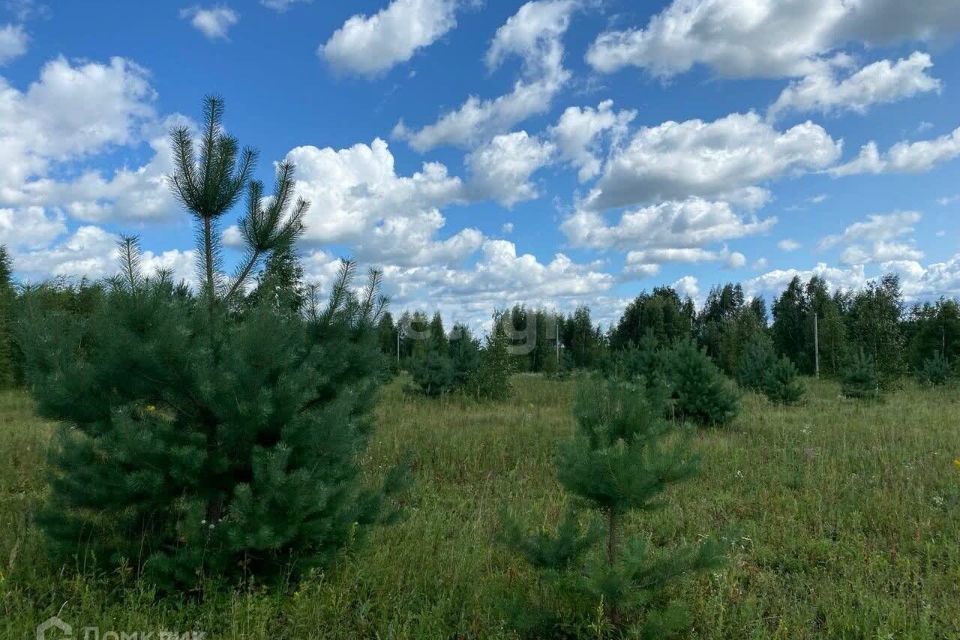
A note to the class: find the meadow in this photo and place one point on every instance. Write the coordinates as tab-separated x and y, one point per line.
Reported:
841	520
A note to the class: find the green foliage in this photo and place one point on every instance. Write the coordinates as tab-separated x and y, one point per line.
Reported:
662	312
642	361
860	379
874	321
464	356
933	327
935	371
782	384
756	361
209	439
623	456
700	391
433	373
492	380
7	299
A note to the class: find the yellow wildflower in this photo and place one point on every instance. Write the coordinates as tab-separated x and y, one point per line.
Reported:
956	463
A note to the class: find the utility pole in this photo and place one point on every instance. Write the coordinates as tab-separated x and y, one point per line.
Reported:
816	345
556	327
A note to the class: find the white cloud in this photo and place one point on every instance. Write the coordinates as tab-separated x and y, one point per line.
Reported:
13	43
877	83
916	281
213	22
29	227
499	277
647	262
788	244
687	224
109	107
765	38
873	240
903	157
578	130
501	169
370	45
875	227
687	286
507	227
281	5
533	33
676	160
356	197
948	200
879	251
774	282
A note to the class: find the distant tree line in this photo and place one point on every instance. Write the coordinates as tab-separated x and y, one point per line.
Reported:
817	330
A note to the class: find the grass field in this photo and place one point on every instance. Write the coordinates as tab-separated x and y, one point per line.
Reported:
847	518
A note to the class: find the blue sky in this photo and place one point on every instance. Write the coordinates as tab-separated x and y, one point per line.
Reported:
486	152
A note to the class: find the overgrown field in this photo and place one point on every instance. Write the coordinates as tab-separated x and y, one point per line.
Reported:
845	520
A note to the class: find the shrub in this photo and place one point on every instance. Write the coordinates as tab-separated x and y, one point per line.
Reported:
783	384
935	371
860	379
623	456
433	373
699	390
492	380
756	362
205	439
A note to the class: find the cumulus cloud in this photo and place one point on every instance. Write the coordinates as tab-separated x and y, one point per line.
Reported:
916	280
877	83
665	232
765	38
30	227
676	160
213	22
578	132
499	275
501	169
13	43
903	157
873	239
534	34
648	261
788	244
688	287
357	197
111	107
370	45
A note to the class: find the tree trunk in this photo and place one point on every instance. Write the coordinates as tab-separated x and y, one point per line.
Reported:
610	608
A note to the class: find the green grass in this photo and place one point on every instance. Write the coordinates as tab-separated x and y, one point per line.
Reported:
847	518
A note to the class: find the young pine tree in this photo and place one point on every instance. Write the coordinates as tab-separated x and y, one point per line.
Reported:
464	355
756	362
623	456
205	440
700	391
782	383
935	371
492	380
860	378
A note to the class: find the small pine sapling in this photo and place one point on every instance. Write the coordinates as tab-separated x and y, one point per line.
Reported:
935	371
860	379
783	384
699	389
622	458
